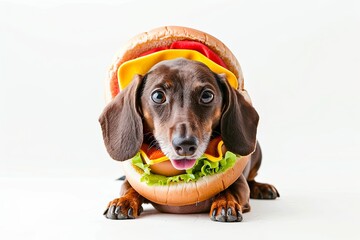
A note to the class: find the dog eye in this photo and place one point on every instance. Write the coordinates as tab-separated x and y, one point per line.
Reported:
206	96
158	97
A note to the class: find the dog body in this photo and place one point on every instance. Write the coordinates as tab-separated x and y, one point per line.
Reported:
179	106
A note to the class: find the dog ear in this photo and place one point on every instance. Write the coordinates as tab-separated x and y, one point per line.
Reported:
121	123
239	121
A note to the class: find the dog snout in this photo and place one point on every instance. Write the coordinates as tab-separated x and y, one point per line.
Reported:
185	146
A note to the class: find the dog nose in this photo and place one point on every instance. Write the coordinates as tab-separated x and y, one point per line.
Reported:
185	146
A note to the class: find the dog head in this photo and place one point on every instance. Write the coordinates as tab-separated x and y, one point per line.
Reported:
179	105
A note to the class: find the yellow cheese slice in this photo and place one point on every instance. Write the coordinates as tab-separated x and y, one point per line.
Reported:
142	65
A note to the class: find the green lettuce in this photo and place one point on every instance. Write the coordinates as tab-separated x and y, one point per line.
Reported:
203	167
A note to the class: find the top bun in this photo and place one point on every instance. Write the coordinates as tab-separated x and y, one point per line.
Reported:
165	36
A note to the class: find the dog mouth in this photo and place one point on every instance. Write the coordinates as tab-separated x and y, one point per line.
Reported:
183	163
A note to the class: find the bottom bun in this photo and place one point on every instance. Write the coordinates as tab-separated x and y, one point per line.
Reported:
199	207
185	193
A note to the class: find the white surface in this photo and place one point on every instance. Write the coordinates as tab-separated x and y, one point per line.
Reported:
301	66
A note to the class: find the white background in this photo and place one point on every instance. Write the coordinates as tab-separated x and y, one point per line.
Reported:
301	62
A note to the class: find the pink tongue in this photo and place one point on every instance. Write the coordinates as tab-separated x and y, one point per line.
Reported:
183	164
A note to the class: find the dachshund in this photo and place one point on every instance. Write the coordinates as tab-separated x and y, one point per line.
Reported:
182	104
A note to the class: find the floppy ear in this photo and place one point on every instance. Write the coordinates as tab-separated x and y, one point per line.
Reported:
121	123
239	121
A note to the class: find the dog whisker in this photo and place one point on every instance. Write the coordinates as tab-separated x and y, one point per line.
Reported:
154	143
148	133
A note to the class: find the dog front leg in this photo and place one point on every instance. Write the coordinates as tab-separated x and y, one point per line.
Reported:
229	205
128	206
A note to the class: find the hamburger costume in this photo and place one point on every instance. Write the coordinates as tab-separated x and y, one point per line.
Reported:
218	168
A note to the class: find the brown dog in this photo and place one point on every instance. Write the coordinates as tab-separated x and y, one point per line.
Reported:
182	104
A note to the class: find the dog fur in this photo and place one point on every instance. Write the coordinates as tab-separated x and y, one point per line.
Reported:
181	122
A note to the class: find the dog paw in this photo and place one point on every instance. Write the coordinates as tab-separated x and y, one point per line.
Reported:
262	190
225	211
123	208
